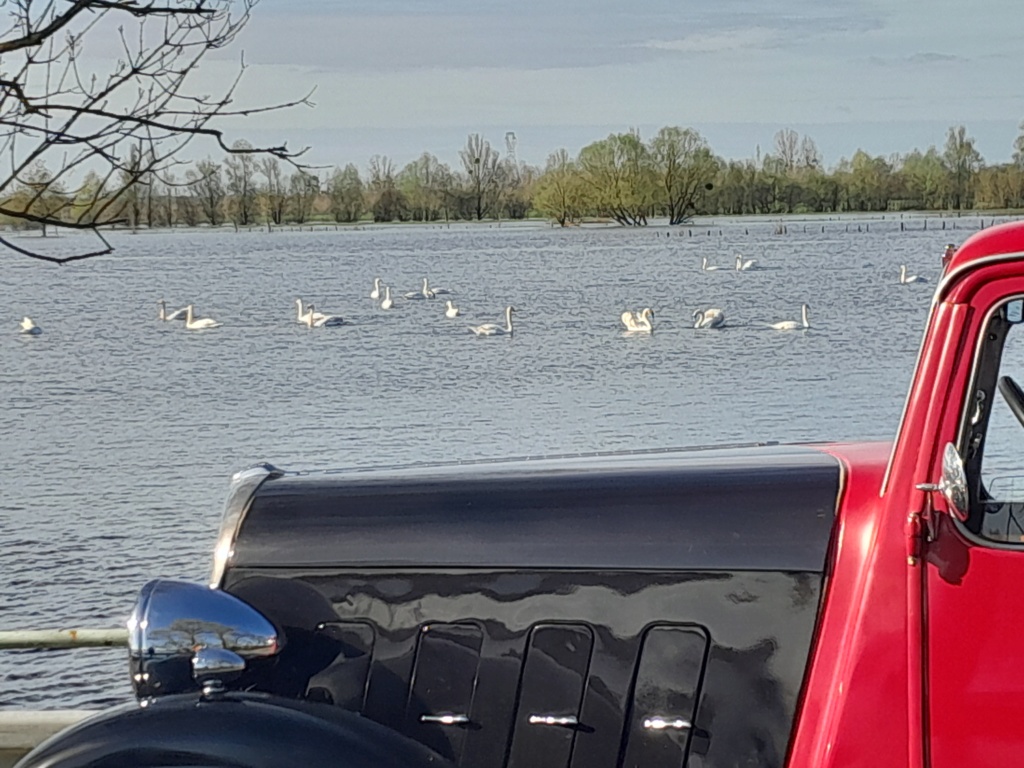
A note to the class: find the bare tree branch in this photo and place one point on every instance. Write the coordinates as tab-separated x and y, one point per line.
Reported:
107	249
123	129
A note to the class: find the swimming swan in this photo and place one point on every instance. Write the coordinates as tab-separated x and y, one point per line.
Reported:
387	303
708	318
493	329
435	291
642	321
422	293
452	310
302	313
316	319
704	265
30	328
198	324
744	265
905	278
178	314
375	293
793	325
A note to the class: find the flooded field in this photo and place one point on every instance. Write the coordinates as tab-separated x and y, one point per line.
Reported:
120	431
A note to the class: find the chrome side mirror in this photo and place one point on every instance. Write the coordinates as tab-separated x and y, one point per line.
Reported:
953	483
173	621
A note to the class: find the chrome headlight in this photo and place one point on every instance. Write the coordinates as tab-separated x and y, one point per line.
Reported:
173	621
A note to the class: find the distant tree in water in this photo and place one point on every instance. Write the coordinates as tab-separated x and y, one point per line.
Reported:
207	184
963	161
347	193
622	178
480	163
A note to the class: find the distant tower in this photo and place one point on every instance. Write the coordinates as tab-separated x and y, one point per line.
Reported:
510	147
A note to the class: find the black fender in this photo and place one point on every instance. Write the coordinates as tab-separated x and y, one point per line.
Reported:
229	730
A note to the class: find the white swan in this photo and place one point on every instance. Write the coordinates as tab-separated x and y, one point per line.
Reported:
178	314
422	293
303	313
375	293
198	324
435	291
30	328
744	265
905	278
708	318
642	321
387	303
793	325
452	310
704	265
493	329
316	319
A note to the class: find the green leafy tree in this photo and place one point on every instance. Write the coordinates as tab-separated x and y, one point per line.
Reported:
962	161
560	191
347	194
421	184
88	198
206	181
621	178
40	195
387	203
684	167
273	191
303	188
242	189
925	180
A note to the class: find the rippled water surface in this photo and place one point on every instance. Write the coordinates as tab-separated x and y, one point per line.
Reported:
120	431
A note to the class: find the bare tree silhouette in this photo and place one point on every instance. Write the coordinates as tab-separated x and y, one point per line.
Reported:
124	128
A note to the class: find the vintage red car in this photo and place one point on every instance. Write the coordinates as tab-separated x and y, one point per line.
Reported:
814	606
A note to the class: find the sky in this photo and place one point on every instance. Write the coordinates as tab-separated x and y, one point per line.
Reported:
398	77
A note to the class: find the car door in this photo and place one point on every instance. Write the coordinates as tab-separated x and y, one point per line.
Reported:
973	585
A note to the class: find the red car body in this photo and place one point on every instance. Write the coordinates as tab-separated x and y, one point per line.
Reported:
914	660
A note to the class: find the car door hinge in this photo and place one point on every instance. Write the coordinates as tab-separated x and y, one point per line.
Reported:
913	530
920	531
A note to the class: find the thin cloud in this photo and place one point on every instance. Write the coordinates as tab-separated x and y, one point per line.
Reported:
743	39
934	58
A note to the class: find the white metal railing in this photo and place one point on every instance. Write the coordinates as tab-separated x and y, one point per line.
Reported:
62	638
23	729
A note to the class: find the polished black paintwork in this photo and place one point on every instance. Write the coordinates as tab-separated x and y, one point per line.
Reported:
231	731
767	508
611	589
552	682
729	647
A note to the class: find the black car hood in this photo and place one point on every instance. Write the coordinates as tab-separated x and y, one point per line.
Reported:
750	508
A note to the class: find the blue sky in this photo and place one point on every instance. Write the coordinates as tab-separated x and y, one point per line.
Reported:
398	77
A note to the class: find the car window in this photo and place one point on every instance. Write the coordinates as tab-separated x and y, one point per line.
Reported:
1001	492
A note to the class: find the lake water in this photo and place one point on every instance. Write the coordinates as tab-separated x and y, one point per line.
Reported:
120	431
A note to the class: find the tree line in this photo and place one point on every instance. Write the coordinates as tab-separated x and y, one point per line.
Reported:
623	178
